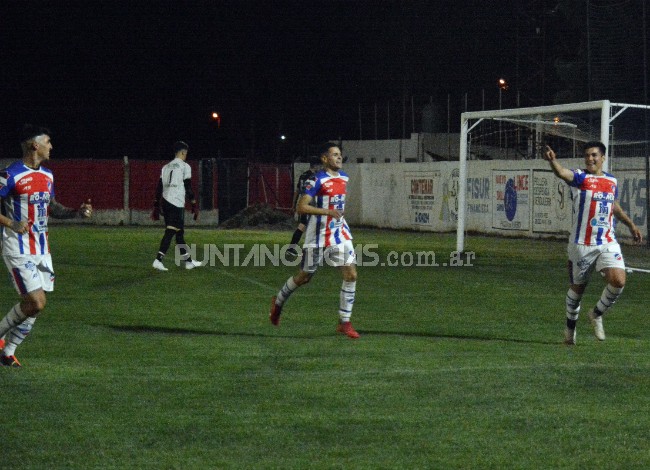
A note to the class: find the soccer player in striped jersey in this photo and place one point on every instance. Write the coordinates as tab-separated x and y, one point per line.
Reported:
592	242
27	192
327	238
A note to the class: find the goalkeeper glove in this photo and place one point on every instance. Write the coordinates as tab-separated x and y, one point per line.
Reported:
195	210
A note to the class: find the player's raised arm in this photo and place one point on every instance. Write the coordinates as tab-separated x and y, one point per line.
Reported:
561	172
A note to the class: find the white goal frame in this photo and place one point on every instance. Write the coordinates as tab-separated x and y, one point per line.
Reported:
608	113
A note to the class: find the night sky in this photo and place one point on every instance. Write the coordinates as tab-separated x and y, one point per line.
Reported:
119	78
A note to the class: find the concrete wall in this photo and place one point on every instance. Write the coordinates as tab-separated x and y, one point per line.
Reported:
139	217
510	198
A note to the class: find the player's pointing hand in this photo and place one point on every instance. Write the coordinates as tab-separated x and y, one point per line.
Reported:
549	154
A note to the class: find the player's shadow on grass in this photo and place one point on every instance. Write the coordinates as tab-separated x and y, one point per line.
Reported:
191	332
458	337
188	331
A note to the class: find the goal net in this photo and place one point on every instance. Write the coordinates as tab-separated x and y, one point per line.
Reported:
501	153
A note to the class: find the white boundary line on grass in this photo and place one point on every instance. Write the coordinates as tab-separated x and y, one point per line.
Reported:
248	279
533	366
637	270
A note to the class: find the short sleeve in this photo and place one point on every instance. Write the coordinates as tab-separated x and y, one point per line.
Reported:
311	186
5	183
578	177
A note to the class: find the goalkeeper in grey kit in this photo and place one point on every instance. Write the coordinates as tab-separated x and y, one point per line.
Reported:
174	186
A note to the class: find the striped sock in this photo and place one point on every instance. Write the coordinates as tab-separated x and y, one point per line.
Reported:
346	300
288	288
608	298
17	335
14	318
572	308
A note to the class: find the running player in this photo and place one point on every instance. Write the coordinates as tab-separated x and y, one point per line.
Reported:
327	238
592	242
174	185
27	192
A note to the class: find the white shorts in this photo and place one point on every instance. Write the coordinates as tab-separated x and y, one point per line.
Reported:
583	259
30	273
335	255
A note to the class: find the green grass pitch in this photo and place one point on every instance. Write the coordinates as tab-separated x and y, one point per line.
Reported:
457	367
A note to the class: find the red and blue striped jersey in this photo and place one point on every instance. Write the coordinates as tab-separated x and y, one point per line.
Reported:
328	192
593	208
26	195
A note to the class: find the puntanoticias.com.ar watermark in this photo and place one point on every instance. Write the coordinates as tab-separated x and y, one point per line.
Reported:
367	255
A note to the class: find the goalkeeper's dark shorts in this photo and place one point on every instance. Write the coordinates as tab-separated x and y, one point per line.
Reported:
174	216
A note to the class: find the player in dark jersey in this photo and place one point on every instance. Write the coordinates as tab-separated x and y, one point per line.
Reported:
314	166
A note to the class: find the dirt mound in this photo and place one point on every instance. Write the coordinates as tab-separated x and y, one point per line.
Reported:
260	216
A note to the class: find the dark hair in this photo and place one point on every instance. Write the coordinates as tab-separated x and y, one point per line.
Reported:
29	131
595	143
180	145
324	148
314	162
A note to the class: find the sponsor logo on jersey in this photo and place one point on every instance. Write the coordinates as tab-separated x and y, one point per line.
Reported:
602	196
39	198
24	181
599	222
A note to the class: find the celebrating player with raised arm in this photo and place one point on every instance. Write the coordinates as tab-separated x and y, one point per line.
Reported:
592	242
27	192
327	238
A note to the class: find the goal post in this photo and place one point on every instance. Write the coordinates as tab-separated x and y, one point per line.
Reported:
503	136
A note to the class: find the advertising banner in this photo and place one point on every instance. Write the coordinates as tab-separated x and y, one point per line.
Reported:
551	203
422	190
511	199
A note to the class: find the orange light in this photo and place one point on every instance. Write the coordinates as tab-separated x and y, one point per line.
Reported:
216	117
502	84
